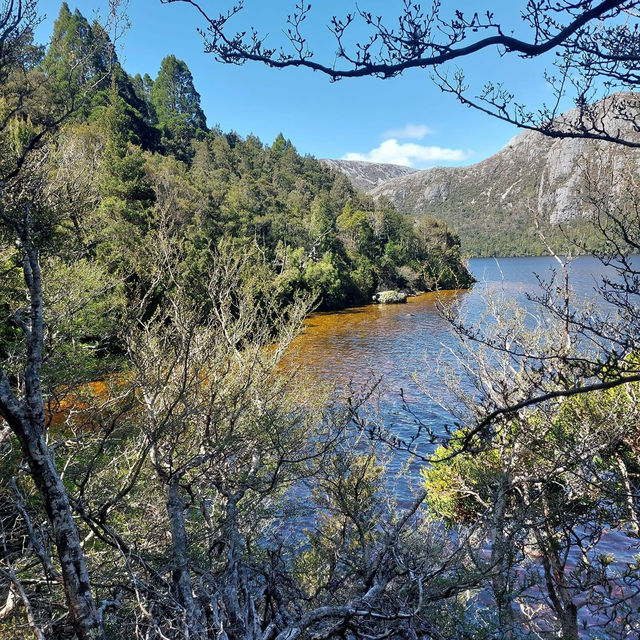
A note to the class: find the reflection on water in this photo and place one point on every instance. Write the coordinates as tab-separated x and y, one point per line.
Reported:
394	343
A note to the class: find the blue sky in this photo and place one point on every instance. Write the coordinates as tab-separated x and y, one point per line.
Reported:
406	120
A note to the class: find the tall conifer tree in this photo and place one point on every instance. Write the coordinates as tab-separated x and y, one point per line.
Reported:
177	106
79	56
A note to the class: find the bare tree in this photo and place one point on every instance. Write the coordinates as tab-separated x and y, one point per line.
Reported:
17	19
228	503
247	464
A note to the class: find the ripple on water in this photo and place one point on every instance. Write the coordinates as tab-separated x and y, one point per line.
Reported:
387	345
394	343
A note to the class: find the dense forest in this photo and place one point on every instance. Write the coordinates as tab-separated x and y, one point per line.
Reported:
148	161
164	477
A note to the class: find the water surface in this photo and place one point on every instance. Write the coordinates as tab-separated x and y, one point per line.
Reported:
393	345
399	343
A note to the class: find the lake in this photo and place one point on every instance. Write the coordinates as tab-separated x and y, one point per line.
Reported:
398	345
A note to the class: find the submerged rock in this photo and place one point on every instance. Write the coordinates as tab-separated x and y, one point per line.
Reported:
390	297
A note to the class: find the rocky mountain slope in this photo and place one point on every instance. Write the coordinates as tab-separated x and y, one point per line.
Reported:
367	175
493	204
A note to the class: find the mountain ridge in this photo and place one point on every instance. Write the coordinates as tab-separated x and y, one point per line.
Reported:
365	176
500	205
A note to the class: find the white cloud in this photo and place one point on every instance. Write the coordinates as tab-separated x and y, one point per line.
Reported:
409	154
408	132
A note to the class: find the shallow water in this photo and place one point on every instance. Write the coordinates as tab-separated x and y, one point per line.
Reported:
395	345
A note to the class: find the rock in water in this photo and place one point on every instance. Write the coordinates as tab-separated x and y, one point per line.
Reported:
390	297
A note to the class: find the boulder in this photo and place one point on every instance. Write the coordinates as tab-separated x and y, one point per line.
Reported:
390	297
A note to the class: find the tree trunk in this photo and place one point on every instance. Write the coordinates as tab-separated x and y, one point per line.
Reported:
501	561
628	495
194	626
554	569
569	622
26	419
75	577
242	616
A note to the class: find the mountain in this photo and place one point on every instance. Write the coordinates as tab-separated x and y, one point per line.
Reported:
493	204
367	175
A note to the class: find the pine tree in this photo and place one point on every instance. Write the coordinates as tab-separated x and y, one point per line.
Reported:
177	107
141	127
127	196
79	56
280	146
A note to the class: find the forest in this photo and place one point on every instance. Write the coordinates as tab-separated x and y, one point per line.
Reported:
164	477
151	156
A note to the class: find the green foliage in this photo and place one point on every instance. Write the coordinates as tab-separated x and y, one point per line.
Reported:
124	211
322	278
453	482
84	69
177	107
120	185
12	297
79	55
137	162
356	232
158	367
489	227
363	277
84	305
314	232
583	435
280	146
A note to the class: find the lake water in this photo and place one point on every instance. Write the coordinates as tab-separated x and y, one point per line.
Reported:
399	344
396	346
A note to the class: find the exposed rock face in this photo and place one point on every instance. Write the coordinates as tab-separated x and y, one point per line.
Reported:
493	204
367	175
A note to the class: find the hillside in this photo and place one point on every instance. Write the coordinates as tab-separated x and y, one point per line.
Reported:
365	176
492	204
